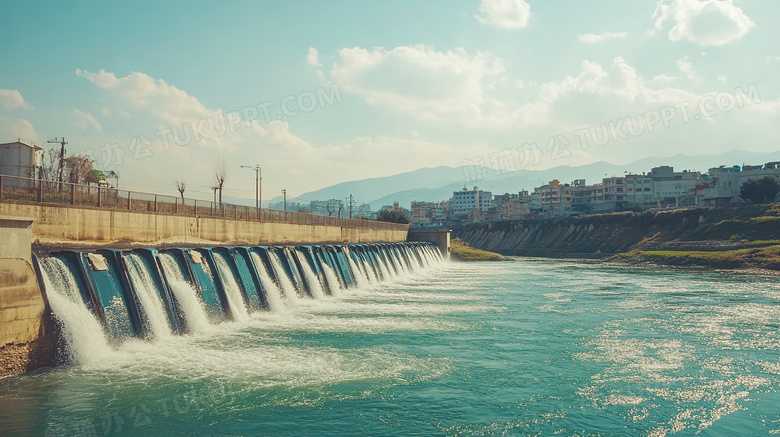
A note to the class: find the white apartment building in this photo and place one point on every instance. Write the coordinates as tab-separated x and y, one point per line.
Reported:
465	201
639	189
724	183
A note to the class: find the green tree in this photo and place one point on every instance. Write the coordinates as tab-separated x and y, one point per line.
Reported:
392	216
361	217
761	191
303	209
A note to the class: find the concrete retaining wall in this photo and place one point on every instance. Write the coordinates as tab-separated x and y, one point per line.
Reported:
25	343
60	225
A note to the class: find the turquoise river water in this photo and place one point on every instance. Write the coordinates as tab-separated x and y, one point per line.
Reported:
526	347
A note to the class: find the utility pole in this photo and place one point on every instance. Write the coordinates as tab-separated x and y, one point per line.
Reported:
351	201
258	181
61	141
284	193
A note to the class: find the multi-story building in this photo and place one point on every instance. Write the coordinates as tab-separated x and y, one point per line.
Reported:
672	188
581	194
429	214
291	206
516	208
465	201
639	190
556	199
723	183
615	190
536	202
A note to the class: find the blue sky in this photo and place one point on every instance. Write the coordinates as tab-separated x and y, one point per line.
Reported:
378	88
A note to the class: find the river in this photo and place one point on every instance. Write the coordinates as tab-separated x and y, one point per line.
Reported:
525	347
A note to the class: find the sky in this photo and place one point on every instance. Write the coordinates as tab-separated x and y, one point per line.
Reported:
319	93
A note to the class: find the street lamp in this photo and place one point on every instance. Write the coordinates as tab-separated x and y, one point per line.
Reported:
258	181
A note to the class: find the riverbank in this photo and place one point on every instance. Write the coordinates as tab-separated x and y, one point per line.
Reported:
462	251
765	258
744	237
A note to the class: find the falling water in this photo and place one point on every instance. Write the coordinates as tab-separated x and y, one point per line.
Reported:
390	262
186	295
358	260
85	339
424	259
385	272
151	304
399	261
411	263
272	293
232	289
333	282
370	273
433	258
311	278
360	279
290	292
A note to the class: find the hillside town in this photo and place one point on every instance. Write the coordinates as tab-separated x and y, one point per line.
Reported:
660	188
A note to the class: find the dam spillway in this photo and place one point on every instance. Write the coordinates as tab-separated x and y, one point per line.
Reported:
103	298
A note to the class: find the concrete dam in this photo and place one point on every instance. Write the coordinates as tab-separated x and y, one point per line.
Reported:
134	265
102	298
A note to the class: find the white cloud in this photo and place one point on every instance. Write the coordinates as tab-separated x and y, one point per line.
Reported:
288	161
85	120
772	59
455	88
451	88
722	78
618	80
13	128
702	22
12	99
686	67
591	38
141	91
504	14
436	86
313	57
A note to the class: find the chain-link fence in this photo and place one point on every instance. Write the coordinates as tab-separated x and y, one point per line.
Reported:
14	188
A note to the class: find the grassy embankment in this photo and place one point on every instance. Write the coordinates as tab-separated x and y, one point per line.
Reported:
462	251
747	240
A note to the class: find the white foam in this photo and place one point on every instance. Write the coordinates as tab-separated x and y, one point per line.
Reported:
233	291
187	297
83	334
146	291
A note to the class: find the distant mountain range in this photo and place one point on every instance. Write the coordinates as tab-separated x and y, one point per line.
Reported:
438	183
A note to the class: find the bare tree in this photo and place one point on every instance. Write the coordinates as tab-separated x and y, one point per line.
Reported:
334	205
50	165
220	176
180	186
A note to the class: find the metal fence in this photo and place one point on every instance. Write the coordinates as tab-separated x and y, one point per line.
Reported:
40	191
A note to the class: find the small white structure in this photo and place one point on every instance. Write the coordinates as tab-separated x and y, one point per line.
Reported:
20	159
